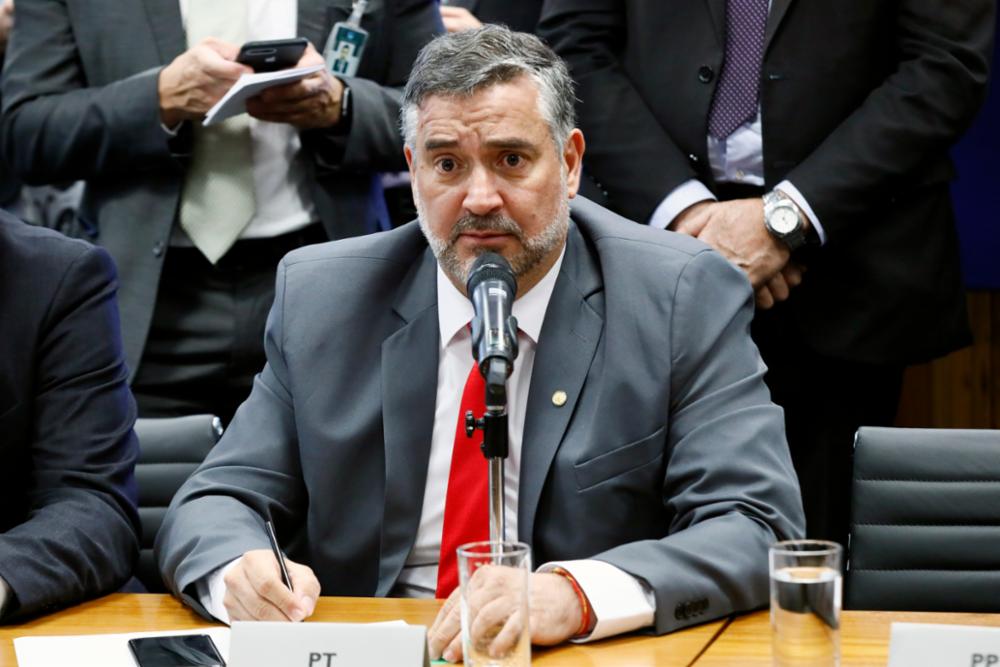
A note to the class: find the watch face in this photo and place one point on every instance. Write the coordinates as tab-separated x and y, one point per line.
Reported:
784	220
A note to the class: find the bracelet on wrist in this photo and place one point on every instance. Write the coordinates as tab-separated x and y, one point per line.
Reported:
586	612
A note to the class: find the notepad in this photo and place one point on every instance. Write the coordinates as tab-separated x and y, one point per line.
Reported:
234	102
98	650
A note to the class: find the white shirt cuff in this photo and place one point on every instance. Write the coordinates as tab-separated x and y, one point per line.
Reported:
211	591
620	602
684	195
4	594
800	201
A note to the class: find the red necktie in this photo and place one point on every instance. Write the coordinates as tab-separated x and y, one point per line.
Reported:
466	509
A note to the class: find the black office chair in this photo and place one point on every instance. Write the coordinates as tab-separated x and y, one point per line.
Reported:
170	450
925	524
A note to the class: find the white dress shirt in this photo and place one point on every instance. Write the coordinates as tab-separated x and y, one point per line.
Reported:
4	593
281	176
739	158
620	602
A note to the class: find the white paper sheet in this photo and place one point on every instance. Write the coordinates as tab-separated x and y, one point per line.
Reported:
234	102
98	650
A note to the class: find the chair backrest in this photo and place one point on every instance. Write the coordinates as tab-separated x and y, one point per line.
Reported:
925	523
170	450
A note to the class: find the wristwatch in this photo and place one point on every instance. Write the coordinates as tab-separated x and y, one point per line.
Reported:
784	220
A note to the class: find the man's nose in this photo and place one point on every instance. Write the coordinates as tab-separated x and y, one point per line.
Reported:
483	196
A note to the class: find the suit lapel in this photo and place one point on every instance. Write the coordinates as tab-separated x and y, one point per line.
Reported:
566	346
717	8
774	19
168	28
409	378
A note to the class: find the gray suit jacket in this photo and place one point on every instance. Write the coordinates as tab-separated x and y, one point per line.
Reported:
80	103
668	460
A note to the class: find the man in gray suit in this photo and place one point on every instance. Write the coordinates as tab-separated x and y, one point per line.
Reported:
112	92
648	467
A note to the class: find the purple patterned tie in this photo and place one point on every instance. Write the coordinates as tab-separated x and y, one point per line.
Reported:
738	91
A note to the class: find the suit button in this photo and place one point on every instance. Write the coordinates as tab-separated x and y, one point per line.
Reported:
706	74
158	249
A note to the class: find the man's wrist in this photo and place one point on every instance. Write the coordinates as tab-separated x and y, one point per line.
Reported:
587	618
784	220
170	114
4	596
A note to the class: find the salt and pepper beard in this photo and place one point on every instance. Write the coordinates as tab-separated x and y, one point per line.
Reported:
533	248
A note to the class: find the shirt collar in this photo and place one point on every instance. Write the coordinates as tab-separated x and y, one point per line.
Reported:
455	310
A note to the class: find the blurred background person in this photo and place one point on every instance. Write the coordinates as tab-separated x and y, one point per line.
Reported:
521	15
50	206
68	523
196	218
808	143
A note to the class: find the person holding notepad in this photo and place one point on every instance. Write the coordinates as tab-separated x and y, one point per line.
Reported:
197	218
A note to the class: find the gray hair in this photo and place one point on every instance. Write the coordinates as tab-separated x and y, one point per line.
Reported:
463	63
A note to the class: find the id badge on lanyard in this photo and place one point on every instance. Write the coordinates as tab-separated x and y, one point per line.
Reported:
346	43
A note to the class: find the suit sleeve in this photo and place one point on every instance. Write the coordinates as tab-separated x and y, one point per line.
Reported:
81	537
729	482
56	127
637	162
373	142
253	474
919	111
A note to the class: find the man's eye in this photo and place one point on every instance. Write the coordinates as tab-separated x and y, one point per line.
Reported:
512	160
447	164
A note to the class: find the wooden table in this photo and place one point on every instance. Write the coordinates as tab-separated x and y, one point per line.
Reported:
864	637
136	613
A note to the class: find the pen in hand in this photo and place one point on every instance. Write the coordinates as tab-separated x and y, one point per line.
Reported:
273	539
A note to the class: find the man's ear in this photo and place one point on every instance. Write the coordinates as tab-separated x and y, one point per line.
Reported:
573	160
408	152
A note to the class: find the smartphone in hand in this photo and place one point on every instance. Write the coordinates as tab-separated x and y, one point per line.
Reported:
272	55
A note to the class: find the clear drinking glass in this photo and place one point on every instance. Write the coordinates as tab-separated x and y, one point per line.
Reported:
805	603
493	577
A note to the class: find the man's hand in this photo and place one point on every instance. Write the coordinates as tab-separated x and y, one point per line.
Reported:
554	613
313	102
736	229
197	79
6	23
255	592
457	19
780	286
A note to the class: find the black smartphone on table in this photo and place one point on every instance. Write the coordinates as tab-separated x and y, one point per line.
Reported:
176	651
272	55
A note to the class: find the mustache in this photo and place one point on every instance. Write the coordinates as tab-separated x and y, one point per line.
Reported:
486	223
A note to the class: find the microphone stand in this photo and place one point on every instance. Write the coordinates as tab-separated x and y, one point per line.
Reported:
495	435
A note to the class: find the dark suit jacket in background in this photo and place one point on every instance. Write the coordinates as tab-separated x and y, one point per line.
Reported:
520	15
80	102
861	100
668	460
68	524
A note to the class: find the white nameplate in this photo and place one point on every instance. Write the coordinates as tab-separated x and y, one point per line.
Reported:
926	645
260	644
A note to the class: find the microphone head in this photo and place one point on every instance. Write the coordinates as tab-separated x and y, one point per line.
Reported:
491	266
